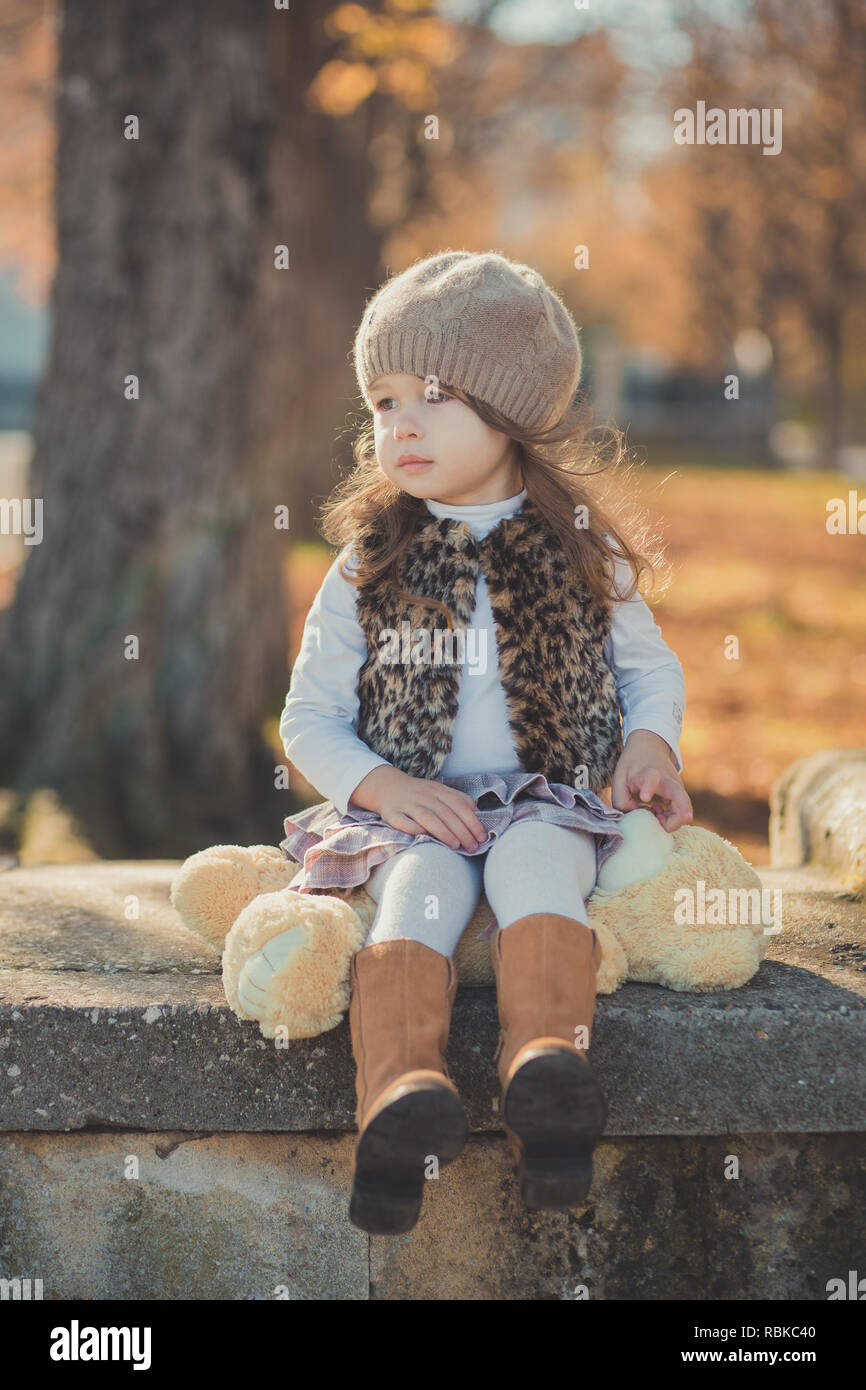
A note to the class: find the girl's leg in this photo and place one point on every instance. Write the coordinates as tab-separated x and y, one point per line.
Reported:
403	984
545	958
538	867
425	893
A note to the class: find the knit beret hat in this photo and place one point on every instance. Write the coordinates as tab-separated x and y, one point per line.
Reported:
490	326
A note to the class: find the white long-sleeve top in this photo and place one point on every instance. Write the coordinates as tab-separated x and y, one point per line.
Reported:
320	715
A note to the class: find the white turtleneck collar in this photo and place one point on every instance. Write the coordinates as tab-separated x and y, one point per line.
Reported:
478	513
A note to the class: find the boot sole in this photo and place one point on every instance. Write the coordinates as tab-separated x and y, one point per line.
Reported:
556	1111
388	1185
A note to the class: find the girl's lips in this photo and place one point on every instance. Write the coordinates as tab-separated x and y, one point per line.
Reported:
416	465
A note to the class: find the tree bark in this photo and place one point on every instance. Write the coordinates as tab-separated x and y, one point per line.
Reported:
159	512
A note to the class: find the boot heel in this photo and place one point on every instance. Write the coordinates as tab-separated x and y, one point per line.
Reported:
555	1111
423	1119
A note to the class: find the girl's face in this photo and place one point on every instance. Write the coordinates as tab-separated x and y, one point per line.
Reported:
468	462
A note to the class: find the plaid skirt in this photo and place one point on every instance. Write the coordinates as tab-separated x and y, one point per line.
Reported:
336	851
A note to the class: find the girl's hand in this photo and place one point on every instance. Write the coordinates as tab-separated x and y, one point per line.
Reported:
418	806
646	773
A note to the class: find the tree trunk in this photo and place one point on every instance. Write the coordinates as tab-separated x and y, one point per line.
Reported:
147	642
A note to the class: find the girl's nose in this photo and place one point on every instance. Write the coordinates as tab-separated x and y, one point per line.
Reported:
406	430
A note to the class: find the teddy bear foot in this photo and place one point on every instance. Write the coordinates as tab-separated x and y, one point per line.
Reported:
286	962
213	886
257	975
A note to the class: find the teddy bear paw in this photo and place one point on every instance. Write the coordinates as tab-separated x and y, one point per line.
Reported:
286	962
258	971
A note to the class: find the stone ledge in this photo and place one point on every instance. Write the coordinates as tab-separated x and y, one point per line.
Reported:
105	1021
241	1216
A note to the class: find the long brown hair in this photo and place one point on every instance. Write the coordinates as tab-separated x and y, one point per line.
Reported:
555	463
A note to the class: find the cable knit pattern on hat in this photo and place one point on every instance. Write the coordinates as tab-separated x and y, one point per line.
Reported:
490	326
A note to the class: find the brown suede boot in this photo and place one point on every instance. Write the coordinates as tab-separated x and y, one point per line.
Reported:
552	1105
408	1108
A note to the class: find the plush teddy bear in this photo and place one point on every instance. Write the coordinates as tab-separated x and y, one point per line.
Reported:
684	910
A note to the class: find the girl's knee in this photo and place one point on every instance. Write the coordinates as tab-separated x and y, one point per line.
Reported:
428	896
534	845
426	868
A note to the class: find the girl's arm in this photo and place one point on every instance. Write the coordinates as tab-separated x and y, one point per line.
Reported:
651	691
649	677
322	706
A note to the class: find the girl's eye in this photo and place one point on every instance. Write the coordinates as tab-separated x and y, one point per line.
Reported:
432	400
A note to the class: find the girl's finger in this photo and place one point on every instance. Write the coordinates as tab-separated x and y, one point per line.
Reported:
676	796
406	823
464	806
451	835
645	783
625	800
468	817
679	810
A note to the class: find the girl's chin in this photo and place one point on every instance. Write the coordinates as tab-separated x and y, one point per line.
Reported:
415	482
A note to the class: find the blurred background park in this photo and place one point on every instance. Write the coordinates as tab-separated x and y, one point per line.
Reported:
197	200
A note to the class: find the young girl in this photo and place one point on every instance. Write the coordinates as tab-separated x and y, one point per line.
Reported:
470	540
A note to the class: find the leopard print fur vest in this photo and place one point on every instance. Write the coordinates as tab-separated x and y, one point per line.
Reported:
560	692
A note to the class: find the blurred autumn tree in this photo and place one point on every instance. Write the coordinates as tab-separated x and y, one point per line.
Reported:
778	241
187	375
28	58
192	387
357	137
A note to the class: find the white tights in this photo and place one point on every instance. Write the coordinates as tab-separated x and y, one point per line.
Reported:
429	892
